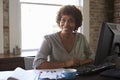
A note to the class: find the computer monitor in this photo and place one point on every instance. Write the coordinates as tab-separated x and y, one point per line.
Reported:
108	43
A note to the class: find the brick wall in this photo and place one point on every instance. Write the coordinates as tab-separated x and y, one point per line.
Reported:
117	11
100	11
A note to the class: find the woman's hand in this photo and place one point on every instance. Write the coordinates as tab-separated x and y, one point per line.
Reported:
77	62
73	62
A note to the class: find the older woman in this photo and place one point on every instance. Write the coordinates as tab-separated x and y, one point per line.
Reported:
66	48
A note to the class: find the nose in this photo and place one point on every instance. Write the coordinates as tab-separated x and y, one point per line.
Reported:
66	23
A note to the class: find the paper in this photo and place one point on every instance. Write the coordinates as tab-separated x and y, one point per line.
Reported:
22	74
18	74
5	74
50	73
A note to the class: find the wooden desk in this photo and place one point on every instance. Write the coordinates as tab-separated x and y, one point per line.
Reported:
31	73
10	62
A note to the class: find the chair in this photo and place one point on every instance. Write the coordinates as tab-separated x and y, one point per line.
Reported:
28	62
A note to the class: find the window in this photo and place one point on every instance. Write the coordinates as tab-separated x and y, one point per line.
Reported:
36	21
37	18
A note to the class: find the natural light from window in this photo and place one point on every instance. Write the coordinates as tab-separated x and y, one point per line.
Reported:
38	18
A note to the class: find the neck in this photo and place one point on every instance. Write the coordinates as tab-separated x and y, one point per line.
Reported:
66	35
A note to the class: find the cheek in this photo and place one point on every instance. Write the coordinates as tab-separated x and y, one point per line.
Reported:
73	26
61	25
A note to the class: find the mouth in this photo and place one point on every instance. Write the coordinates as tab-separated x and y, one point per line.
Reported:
68	28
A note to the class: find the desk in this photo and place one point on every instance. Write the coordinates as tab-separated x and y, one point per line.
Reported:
32	75
94	77
10	61
6	62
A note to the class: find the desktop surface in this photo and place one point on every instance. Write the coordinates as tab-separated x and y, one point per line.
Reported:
30	73
94	77
113	73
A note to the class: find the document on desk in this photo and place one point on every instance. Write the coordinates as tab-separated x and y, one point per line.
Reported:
21	74
5	74
18	74
50	73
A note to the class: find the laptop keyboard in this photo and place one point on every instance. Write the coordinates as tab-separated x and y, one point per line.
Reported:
89	69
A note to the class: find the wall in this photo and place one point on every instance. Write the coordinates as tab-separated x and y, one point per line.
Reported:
100	10
6	25
117	11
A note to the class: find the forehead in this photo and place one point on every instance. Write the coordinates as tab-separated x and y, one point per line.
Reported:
67	17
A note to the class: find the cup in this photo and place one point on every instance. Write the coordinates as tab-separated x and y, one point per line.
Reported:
69	73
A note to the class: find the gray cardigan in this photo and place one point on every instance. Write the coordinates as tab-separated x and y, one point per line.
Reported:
52	49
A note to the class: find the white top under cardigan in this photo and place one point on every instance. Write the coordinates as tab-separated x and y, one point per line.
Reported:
53	47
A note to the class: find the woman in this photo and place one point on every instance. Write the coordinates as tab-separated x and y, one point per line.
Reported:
66	48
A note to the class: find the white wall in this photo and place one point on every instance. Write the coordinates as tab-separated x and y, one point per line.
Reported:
1	26
14	23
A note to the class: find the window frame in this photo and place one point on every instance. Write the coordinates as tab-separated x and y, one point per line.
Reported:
14	24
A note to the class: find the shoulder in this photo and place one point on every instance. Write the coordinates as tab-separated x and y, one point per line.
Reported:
80	35
51	37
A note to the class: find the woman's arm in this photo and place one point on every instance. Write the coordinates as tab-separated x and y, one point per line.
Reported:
69	63
86	61
51	65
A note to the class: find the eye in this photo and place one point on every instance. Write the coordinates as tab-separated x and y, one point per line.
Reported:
62	20
71	21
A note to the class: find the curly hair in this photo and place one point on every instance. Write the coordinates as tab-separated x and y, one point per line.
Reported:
72	11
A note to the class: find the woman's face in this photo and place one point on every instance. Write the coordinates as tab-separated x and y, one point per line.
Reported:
67	24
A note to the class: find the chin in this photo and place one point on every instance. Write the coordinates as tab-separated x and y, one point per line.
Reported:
68	32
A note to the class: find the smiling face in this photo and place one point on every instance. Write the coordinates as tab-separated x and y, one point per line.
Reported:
67	24
69	10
